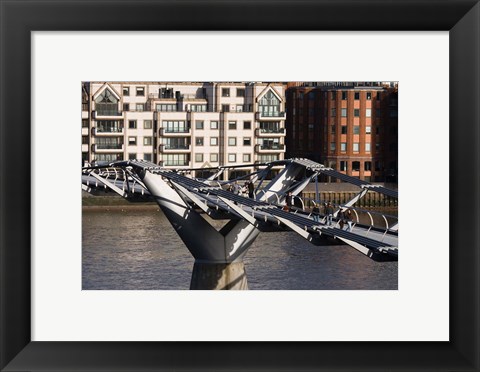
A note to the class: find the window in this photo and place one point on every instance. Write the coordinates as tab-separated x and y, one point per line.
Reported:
225	108
147	124
147	141
140	107
356	147
356	166
343	147
232	125
332	146
368	113
246	158
333	95
357	96
247	125
214	158
147	157
140	91
166	107
379	95
344	95
84	140
356	113
214	125
368	165
175	159
267	158
132	141
126	91
270	127
126	107
175	126
240	92
84	123
198	108
232	141
356	129
239	108
198	141
334	112
269	105
344	112
109	126
247	141
367	147
369	95
225	92
332	129
232	158
198	124
198	158
174	143
343	166
132	156
132	124
106	104
213	141
344	129
368	129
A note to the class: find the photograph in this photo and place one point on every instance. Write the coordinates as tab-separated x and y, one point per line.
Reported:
239	185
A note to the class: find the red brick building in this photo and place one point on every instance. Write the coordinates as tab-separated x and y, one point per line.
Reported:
351	127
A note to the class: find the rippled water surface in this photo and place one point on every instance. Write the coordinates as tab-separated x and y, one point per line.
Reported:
138	249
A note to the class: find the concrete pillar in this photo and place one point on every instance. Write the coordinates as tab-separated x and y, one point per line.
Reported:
207	276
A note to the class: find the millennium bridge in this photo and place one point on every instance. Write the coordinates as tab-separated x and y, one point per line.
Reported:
219	254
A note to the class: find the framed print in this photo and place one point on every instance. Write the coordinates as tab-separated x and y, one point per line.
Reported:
21	346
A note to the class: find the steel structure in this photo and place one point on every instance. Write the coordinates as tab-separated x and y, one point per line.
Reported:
219	253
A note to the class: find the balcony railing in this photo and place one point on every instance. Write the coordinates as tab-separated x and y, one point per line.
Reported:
270	115
270	147
111	130
174	163
169	147
109	146
101	113
271	130
174	131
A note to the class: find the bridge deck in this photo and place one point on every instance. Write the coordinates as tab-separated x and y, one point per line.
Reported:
262	211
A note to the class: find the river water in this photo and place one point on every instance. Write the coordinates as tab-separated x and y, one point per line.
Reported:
137	249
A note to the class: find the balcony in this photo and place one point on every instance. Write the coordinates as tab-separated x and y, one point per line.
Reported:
106	114
276	115
174	163
166	148
263	132
107	131
107	147
277	147
174	132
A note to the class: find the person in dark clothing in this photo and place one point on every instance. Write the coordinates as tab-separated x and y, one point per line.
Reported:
316	214
251	188
341	218
288	201
349	219
329	213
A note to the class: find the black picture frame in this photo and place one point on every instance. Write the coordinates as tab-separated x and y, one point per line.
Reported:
18	18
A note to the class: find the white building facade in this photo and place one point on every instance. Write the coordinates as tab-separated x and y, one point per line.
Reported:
184	125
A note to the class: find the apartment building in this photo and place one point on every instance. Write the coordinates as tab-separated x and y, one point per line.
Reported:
184	125
349	126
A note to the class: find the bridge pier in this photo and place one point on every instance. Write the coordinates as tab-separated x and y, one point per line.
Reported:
206	276
218	253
